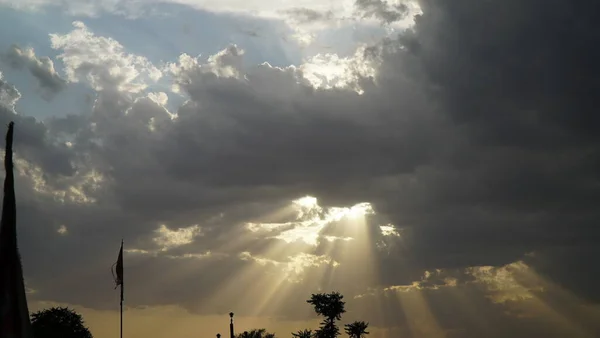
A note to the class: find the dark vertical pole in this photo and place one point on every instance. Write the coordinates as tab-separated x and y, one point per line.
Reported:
122	283
14	320
231	334
121	312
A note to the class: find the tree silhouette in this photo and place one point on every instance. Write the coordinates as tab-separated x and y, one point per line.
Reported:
306	333
331	307
59	322
357	329
256	333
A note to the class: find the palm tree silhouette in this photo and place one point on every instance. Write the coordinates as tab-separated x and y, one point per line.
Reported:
331	307
306	333
357	329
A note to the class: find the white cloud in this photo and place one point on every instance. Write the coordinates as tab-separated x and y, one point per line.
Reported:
271	8
160	98
321	72
9	95
336	238
102	62
389	230
304	16
168	239
62	230
331	71
225	63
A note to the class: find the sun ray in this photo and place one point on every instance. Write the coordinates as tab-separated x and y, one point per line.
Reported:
277	292
280	256
525	275
175	273
237	285
267	285
421	321
473	311
293	273
521	290
357	256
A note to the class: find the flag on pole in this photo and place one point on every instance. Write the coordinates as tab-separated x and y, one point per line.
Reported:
14	314
118	274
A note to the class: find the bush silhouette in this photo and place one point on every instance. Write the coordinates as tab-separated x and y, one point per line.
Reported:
59	322
256	333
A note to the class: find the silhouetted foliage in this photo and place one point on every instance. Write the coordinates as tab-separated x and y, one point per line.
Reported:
328	305
331	307
59	322
256	333
306	333
328	329
357	329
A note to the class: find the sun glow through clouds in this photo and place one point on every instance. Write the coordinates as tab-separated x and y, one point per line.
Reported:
312	219
303	244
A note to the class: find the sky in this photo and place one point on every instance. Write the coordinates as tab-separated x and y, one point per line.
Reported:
436	162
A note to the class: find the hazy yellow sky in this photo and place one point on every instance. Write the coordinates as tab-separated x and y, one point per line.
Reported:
173	321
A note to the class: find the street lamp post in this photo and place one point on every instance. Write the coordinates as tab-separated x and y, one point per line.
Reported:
231	334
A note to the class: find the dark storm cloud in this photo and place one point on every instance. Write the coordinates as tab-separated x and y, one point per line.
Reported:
41	68
36	145
475	138
516	79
